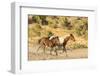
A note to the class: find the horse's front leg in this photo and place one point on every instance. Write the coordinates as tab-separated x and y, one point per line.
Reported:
56	51
64	50
51	50
44	49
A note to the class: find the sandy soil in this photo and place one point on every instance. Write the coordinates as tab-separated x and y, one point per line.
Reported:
33	54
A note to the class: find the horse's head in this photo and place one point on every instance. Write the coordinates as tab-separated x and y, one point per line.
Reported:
72	37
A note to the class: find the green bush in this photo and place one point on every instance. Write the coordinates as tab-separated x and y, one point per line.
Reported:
49	33
70	23
36	19
37	27
81	28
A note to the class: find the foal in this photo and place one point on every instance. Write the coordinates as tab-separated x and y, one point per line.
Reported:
70	37
46	42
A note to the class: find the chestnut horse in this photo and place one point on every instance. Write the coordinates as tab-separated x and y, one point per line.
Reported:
46	42
64	41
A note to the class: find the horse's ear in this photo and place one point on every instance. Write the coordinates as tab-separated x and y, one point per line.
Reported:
57	37
71	34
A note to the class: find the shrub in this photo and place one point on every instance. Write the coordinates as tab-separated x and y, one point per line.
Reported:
81	28
36	19
37	27
49	34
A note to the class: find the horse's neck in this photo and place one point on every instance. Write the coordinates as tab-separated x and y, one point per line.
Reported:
66	40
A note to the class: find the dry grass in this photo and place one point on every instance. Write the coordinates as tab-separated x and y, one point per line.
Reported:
79	43
62	27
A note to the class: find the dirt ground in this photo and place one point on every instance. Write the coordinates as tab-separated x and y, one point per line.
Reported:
33	54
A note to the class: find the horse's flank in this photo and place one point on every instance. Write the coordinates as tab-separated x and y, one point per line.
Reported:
46	42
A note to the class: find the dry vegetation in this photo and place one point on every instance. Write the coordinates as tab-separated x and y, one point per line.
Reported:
44	26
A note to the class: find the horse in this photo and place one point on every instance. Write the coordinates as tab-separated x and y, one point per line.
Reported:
47	42
66	39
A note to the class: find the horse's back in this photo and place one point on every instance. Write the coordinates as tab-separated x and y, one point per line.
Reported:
61	39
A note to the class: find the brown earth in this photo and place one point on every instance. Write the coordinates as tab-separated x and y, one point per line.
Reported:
33	54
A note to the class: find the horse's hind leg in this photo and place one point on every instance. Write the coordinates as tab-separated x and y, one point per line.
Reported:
51	51
56	52
69	49
44	49
39	48
65	50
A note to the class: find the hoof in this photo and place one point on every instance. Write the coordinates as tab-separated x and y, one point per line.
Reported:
50	53
56	54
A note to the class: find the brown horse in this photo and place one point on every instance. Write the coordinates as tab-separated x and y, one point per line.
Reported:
46	42
70	37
